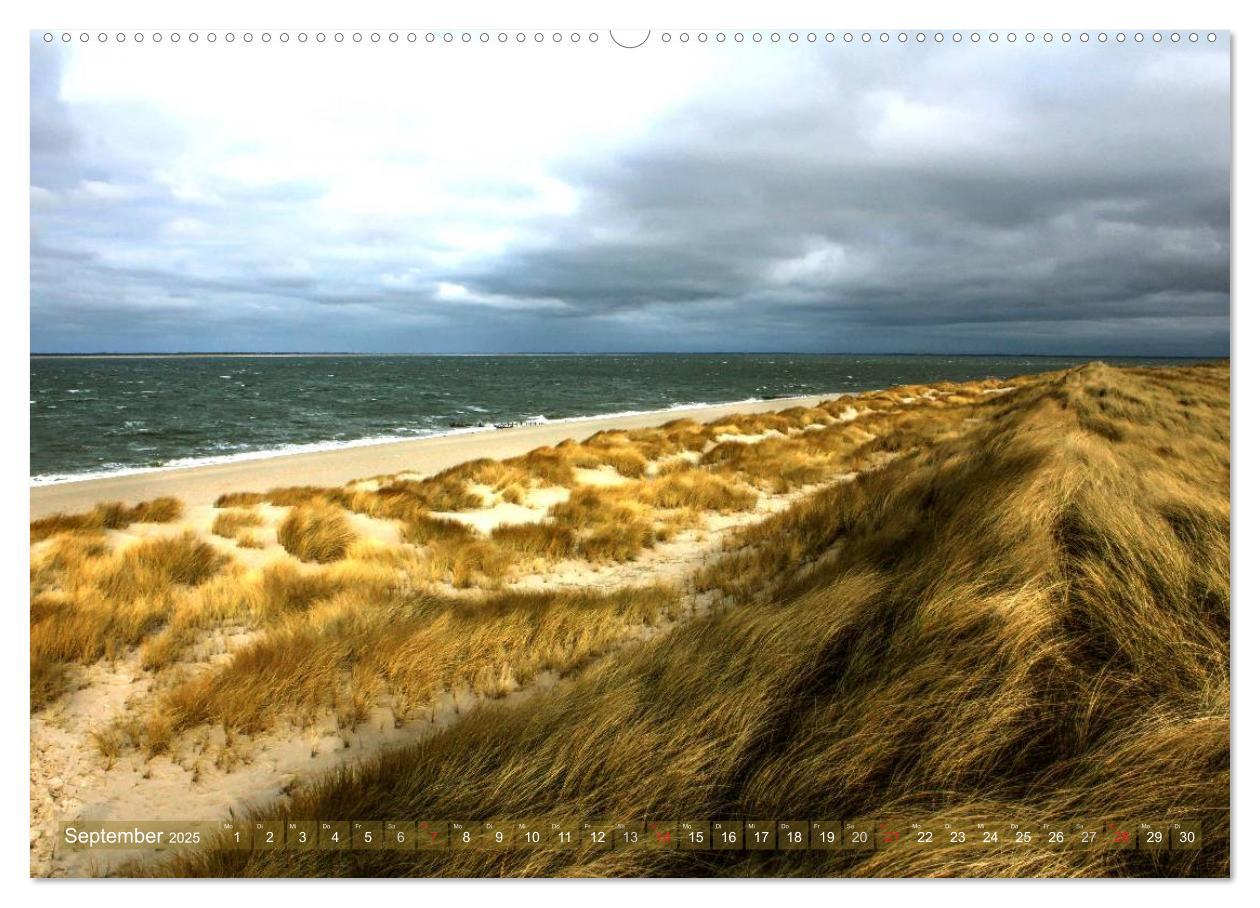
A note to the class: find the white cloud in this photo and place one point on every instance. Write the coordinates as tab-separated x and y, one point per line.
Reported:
104	191
449	291
41	197
186	228
614	197
821	264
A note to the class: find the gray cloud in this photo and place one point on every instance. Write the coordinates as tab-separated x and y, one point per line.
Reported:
1010	199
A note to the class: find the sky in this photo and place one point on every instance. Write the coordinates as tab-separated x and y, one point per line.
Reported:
1022	198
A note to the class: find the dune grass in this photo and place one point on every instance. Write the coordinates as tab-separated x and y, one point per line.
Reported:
109	516
1022	616
608	526
318	533
663	491
365	644
232	524
546	540
1024	613
89	602
695	490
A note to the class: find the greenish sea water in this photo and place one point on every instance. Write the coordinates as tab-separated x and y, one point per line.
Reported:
92	416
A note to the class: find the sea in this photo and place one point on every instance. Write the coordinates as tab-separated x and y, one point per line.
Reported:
97	416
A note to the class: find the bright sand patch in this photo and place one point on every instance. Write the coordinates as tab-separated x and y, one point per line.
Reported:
374	528
501	514
747	439
598	476
543	498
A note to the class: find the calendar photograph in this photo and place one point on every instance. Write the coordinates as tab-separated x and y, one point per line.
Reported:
592	452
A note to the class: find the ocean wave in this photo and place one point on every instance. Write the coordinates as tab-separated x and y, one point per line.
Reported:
180	463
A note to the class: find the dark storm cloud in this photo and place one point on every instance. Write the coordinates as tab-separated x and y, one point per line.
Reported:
1100	206
1009	199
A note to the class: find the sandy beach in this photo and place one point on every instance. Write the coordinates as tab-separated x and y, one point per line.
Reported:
201	485
223	661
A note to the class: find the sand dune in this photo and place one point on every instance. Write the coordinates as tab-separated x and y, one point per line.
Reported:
191	659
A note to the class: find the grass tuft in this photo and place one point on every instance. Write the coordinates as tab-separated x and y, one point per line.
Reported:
229	524
1020	616
108	516
317	533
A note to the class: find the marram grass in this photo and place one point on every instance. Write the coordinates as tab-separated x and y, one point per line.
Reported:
1010	604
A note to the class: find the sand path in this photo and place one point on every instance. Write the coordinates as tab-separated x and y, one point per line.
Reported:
208	777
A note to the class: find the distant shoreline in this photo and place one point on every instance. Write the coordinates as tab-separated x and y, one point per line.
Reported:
202	484
326	354
206	355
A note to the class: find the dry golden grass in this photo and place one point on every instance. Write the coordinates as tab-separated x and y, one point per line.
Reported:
468	562
89	603
250	541
607	526
550	465
596	524
613	449
674	437
391	502
240	499
110	516
288	496
600	524
318	533
302	496
776	464
548	540
366	642
666	492
422	529
229	524
1025	616
663	494
696	490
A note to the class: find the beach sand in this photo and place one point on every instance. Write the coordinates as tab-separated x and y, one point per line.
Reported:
204	775
201	485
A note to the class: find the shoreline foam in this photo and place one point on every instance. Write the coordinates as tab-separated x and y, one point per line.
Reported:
336	463
180	463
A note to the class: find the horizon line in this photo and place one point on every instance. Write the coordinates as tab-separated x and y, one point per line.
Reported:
277	353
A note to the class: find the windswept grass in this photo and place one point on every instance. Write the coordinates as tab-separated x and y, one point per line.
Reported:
423	530
88	603
365	644
663	492
613	449
607	526
695	490
318	533
153	566
548	540
1022	616
775	463
230	524
240	499
110	516
468	562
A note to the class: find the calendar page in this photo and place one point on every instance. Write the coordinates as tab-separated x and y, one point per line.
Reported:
795	451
